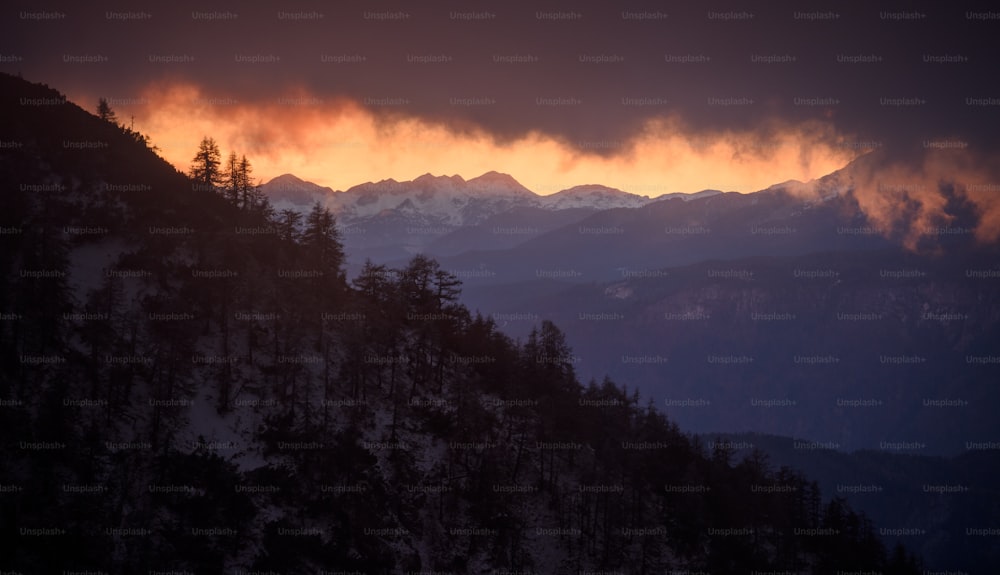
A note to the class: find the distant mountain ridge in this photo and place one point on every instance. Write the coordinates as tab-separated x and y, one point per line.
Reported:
392	219
448	216
451	198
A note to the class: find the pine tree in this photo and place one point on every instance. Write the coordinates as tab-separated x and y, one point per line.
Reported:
321	240
416	281
288	225
251	199
105	112
205	165
548	360
231	179
324	253
447	288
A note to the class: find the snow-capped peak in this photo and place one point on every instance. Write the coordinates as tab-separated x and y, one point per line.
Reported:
290	191
499	184
291	183
593	196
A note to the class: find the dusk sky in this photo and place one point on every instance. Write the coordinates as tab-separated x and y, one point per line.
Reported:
648	97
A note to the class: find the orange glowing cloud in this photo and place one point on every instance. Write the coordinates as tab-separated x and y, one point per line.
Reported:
917	201
339	143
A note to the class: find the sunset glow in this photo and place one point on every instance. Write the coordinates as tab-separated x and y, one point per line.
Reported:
339	143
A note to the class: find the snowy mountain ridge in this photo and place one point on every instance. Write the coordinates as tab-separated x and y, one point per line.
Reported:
447	200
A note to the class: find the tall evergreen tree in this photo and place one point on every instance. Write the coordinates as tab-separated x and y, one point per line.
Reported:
288	225
231	181
205	167
250	198
321	240
105	112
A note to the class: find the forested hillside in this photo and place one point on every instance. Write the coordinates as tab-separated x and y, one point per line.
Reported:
189	383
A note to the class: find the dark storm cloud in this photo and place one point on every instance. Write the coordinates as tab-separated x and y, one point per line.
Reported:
588	73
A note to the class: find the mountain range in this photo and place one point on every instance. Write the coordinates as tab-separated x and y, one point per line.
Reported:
390	219
822	305
491	229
